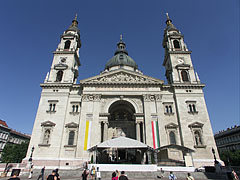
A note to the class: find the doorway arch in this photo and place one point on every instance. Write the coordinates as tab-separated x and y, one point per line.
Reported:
121	120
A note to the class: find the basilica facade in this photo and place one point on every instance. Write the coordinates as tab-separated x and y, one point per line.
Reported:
171	118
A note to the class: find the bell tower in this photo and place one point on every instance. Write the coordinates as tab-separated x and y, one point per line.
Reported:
66	61
177	60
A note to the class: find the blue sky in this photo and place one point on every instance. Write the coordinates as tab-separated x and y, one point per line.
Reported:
30	32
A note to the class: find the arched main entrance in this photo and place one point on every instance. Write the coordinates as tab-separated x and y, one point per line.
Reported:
121	120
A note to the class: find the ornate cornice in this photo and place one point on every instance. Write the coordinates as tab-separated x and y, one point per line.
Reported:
56	85
185	86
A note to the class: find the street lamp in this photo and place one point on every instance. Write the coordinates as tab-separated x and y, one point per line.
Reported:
30	159
215	159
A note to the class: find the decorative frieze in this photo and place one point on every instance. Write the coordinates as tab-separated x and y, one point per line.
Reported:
91	97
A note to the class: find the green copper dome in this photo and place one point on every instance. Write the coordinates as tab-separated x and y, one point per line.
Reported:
121	57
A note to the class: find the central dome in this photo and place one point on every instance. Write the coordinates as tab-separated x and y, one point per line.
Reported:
121	57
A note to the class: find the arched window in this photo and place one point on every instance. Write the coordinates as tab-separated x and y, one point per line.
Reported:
172	137
73	108
194	108
176	44
190	108
67	44
76	108
59	76
46	136
166	109
71	138
197	136
170	109
184	75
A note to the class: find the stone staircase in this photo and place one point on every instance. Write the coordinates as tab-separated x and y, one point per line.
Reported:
67	174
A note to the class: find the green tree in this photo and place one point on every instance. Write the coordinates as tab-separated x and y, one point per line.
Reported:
231	157
14	153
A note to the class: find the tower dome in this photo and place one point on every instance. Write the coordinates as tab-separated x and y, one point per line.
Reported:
121	58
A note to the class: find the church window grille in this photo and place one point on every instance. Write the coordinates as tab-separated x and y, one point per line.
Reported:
67	44
59	76
176	44
172	138
184	75
71	138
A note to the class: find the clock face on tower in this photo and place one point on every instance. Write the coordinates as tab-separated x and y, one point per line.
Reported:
180	61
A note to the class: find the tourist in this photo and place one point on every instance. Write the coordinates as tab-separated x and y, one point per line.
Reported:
41	176
189	177
117	173
172	176
114	176
161	173
14	177
123	176
234	175
57	174
52	176
93	172
84	175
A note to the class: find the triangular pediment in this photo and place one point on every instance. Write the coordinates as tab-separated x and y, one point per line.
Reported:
121	76
171	126
71	125
48	123
196	124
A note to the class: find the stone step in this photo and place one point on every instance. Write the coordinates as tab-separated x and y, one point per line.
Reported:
134	175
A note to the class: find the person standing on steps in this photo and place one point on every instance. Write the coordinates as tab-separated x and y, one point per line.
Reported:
93	173
172	176
189	177
84	175
52	176
57	174
41	176
123	176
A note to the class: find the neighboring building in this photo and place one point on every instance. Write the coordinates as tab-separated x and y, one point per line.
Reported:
4	134
73	117
228	140
8	135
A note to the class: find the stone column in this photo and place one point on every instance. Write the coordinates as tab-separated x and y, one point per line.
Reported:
139	119
103	118
138	131
105	131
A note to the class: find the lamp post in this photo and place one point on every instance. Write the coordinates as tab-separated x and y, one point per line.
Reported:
30	163
30	159
215	159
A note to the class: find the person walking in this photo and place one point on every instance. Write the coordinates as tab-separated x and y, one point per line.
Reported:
234	175
93	172
52	176
41	176
189	177
84	175
172	176
123	176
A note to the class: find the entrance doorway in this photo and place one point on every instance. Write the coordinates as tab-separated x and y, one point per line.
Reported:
121	121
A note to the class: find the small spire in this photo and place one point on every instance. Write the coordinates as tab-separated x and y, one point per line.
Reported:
75	22
75	17
121	37
168	21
